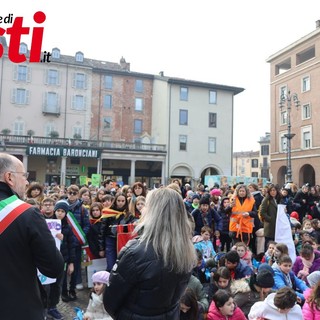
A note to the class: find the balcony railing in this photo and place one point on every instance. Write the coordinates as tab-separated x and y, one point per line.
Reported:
8	140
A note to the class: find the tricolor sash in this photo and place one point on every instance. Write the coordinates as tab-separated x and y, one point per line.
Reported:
78	232
10	209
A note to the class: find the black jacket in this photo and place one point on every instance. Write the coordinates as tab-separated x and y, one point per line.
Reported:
141	288
26	244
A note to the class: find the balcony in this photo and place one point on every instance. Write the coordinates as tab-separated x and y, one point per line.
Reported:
16	140
51	110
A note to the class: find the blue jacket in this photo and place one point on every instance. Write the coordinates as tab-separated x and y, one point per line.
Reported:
298	285
213	219
242	270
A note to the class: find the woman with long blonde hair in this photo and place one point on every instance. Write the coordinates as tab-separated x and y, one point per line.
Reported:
158	263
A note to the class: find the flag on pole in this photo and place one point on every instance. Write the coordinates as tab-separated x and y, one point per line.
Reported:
283	232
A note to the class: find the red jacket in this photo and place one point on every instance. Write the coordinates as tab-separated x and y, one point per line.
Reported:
215	314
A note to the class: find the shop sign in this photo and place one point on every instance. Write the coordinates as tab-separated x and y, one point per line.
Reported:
62	152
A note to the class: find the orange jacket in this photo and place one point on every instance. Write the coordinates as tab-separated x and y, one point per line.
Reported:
239	223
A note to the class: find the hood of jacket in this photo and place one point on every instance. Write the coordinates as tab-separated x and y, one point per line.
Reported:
241	285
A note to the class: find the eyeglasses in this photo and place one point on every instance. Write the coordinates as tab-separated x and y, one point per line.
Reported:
25	174
74	193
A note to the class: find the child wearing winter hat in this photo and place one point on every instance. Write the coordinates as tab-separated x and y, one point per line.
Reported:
95	309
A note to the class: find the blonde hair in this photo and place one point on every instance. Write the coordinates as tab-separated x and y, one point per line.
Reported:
164	224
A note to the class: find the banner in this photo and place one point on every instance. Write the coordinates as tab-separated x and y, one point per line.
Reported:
283	232
54	226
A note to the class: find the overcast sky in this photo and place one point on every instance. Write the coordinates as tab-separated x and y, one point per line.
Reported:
223	42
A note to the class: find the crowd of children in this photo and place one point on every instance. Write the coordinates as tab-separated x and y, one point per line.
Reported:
238	277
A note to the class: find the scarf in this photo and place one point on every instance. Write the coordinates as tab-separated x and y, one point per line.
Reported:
307	264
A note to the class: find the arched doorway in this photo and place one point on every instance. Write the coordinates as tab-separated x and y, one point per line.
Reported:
281	176
307	175
183	172
210	171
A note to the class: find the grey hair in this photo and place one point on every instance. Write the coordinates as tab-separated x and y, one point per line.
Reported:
165	225
6	164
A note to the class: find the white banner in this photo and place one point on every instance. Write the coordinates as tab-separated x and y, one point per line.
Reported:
54	226
283	232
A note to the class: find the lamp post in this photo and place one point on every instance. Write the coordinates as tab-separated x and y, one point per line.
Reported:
288	97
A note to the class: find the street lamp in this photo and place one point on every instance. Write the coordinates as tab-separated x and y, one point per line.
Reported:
287	97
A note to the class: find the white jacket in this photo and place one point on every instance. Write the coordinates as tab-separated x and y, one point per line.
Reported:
266	309
96	309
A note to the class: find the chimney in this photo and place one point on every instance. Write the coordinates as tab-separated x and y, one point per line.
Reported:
318	24
161	73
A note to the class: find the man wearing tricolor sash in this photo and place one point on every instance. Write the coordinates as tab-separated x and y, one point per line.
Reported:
81	216
26	244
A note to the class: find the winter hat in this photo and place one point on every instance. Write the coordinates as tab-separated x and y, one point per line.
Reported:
190	193
215	192
101	277
195	196
61	204
204	200
313	278
265	279
294	214
265	266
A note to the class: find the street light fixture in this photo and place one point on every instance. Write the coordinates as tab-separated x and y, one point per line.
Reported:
288	97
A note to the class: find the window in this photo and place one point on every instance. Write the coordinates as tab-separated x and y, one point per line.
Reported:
49	127
138	104
56	53
137	126
107	123
107	101
18	128
212	145
265	150
77	130
254	174
80	81
284	117
20	96
306	55
182	142
51	102
23	48
184	93
282	93
265	162
22	73
108	81
212	97
183	117
78	102
139	86
306	84
306	137
306	111
52	77
283	143
212	120
254	163
79	57
283	66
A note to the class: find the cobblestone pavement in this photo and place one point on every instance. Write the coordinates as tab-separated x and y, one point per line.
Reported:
67	308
